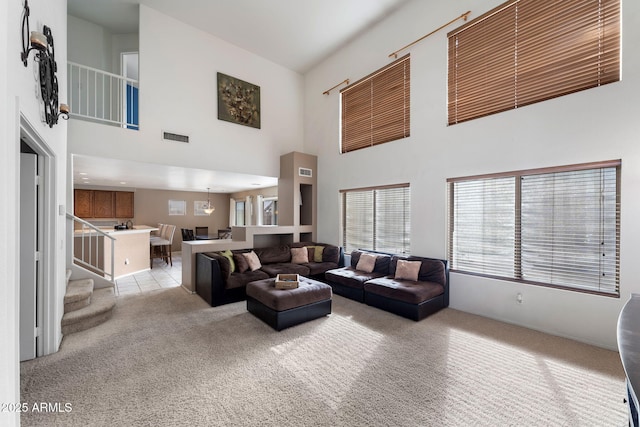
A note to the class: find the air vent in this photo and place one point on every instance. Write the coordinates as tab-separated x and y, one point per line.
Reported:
305	172
169	136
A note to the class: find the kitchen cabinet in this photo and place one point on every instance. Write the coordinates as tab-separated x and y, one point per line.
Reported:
83	203
124	204
104	204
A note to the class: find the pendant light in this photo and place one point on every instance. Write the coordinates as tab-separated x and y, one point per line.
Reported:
208	208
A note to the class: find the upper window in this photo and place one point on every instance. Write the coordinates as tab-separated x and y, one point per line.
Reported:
527	51
377	218
375	109
556	227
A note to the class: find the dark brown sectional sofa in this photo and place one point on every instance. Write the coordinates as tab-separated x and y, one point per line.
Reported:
217	284
379	288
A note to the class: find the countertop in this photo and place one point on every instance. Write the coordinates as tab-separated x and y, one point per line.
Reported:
112	232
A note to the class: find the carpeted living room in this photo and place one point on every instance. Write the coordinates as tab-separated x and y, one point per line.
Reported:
453	183
168	358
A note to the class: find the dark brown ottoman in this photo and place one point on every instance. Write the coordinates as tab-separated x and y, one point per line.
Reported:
282	308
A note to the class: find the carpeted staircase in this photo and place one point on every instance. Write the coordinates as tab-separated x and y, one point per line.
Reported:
84	306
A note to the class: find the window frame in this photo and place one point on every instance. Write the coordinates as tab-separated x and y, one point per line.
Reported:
517	241
377	242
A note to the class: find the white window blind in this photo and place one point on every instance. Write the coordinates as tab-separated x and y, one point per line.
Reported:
484	226
556	227
377	218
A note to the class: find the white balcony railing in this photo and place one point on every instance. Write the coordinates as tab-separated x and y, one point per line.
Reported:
103	97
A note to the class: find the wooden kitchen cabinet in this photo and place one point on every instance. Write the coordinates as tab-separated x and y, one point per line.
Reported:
83	203
103	204
124	204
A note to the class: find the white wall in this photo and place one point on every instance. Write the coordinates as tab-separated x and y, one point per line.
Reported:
178	66
90	44
17	88
593	125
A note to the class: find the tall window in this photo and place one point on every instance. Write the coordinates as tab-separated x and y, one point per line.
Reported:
557	227
240	215
377	218
376	109
526	51
270	211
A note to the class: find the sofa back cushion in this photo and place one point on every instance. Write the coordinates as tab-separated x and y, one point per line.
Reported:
330	253
274	254
223	262
382	261
431	270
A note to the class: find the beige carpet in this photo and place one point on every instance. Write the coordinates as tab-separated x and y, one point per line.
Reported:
168	359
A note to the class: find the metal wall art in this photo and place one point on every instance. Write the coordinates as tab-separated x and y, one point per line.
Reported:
238	101
42	43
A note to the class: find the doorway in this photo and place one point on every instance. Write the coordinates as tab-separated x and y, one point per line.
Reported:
37	245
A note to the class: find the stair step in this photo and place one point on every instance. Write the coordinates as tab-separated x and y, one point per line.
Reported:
78	294
101	308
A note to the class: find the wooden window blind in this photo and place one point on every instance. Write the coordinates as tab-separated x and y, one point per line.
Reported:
526	51
556	227
376	109
377	218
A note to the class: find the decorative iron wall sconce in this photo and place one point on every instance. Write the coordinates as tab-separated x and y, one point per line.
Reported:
42	43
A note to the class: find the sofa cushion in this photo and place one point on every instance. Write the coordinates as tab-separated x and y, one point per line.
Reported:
223	262
407	270
331	253
403	290
350	277
366	263
239	280
285	268
299	255
316	268
241	263
318	253
382	261
252	260
274	254
431	270
227	254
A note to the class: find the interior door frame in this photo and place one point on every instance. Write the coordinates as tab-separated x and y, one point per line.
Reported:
46	305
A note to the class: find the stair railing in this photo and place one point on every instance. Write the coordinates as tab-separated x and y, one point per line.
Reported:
90	244
101	96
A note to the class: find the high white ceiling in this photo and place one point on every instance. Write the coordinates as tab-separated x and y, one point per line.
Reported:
296	34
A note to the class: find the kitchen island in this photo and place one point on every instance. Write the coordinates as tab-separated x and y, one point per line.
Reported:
130	249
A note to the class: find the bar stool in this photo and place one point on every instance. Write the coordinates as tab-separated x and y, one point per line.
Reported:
162	245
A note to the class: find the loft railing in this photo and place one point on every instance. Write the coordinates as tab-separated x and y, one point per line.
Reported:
103	97
93	249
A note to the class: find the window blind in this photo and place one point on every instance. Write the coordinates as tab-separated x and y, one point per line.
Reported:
526	51
376	109
377	219
556	227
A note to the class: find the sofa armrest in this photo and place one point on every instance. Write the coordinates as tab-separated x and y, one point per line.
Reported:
210	284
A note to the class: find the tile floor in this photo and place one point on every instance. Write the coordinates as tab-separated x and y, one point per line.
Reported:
160	276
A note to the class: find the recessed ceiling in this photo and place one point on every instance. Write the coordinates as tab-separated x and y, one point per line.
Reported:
103	172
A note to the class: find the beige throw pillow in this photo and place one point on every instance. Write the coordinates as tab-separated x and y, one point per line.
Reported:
366	263
299	255
252	260
407	270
